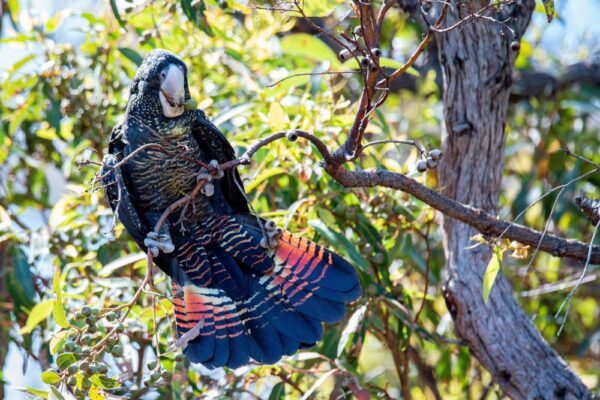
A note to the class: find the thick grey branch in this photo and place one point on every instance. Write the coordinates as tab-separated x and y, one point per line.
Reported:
481	220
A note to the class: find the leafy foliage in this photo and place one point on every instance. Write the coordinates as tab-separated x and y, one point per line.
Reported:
70	279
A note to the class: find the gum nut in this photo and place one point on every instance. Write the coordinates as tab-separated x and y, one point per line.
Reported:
344	54
291	135
436	154
431	163
422	166
270	225
378	258
117	350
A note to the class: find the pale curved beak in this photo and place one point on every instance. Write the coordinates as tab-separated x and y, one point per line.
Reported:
172	92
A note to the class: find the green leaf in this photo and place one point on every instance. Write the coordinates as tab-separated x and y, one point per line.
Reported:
19	281
96	394
132	55
104	382
110	268
13	12
50	377
318	383
57	342
320	8
38	313
278	392
16	66
58	310
338	240
356	318
278	119
115	11
65	359
490	273
549	8
264	175
53	22
195	13
310	47
37	392
23	271
55	394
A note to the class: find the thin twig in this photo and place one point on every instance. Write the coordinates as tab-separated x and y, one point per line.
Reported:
396	141
311	74
546	226
569	297
557	286
422	46
559	187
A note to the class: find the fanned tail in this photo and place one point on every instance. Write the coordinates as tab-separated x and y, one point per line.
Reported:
234	302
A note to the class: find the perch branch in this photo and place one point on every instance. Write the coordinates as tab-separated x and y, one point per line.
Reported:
484	222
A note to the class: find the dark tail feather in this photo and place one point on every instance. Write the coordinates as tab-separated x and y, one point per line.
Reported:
253	306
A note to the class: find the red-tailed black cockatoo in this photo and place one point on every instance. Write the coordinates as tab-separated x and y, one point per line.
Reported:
243	289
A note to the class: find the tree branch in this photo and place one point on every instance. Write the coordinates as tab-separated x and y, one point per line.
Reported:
481	220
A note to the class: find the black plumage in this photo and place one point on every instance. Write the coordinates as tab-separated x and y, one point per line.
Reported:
235	300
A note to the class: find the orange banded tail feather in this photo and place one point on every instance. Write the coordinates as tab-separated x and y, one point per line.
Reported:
252	306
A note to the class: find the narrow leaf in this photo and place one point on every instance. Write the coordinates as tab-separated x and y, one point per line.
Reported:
340	241
115	10
318	383
264	175
310	47
55	394
549	8
38	313
320	8
113	266
278	392
132	55
490	274
37	392
351	327
58	311
278	119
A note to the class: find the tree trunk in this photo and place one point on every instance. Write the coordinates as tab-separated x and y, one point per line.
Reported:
476	60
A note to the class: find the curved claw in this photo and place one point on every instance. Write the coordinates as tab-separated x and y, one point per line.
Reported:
272	234
154	250
159	242
203	175
215	169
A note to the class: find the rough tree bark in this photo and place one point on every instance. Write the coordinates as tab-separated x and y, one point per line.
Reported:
477	61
